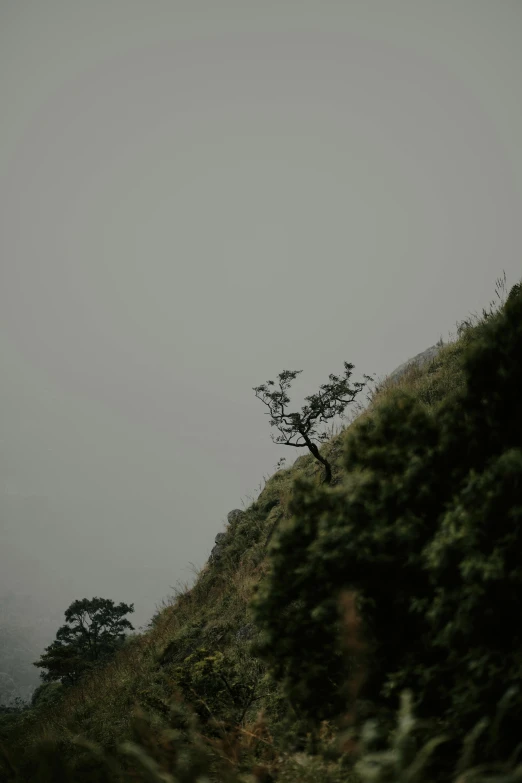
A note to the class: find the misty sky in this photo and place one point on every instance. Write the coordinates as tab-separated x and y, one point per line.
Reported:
197	195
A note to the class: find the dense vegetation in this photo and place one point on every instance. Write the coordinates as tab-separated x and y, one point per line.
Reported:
427	531
395	587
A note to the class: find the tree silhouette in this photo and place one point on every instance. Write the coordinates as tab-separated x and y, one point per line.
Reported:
95	630
329	402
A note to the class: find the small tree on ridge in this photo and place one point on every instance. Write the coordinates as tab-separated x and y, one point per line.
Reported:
324	405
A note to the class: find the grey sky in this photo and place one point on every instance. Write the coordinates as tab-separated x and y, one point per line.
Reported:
197	195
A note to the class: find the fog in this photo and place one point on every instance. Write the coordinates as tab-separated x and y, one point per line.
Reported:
195	196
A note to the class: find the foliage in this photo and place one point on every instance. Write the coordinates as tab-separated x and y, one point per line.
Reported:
12	717
47	693
404	760
175	752
178	752
426	529
16	706
95	629
322	406
221	685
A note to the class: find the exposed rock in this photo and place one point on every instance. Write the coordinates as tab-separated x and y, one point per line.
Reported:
215	554
419	360
217	550
236	513
233	518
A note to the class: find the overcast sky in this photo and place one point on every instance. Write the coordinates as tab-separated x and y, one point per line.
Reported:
197	195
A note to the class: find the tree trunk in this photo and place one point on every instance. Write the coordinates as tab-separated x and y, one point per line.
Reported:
327	467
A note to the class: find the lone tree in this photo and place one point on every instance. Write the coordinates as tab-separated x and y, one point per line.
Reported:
95	630
329	402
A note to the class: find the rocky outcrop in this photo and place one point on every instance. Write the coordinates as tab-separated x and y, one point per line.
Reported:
419	360
233	518
217	549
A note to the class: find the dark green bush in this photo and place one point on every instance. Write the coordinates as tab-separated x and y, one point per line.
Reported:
221	685
47	693
428	531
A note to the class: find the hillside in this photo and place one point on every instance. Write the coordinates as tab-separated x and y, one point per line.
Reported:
227	665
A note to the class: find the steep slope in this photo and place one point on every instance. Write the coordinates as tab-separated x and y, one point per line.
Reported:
201	644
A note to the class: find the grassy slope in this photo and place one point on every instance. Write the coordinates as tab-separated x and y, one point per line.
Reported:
210	614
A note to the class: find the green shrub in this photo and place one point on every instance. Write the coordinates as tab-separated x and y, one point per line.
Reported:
47	693
221	686
427	529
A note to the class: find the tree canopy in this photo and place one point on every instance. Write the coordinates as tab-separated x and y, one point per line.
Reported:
327	403
94	630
